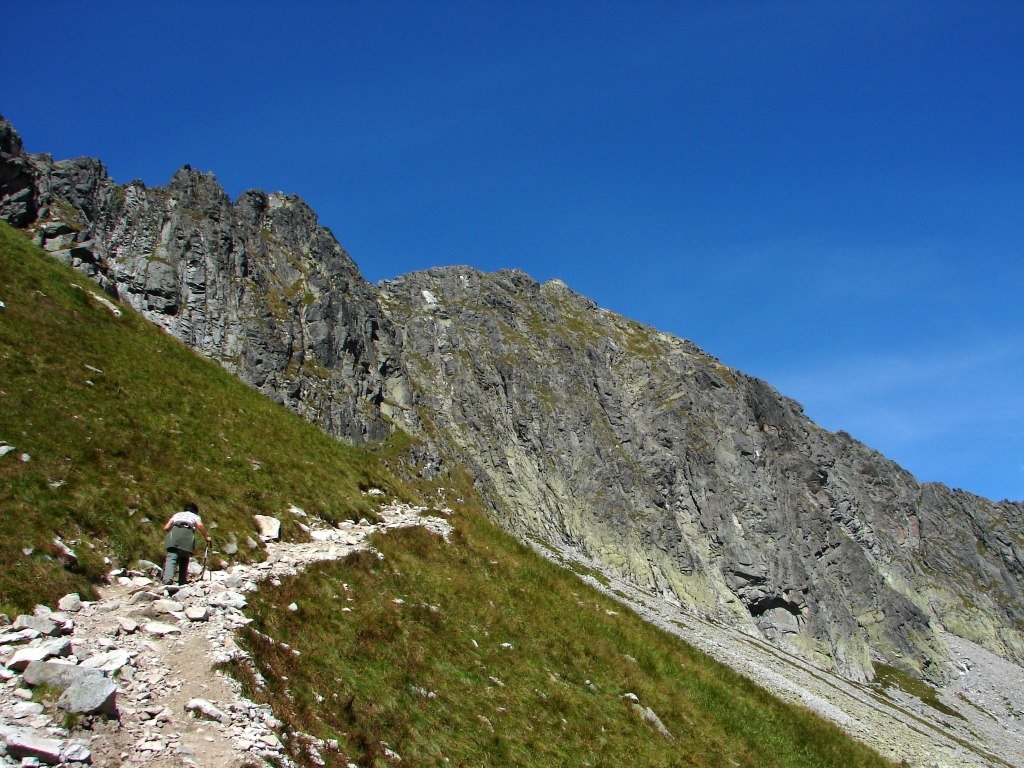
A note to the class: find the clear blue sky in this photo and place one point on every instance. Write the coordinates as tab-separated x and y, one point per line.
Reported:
828	195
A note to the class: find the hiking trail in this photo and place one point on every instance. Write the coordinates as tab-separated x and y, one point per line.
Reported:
160	646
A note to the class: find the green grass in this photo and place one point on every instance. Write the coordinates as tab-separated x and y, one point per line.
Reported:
360	675
115	450
887	676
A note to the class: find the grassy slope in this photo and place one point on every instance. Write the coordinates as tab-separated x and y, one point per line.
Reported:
487	588
160	425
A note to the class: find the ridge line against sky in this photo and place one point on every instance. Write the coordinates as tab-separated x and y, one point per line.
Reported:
826	196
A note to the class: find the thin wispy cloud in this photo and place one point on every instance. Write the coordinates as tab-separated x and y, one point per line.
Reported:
936	411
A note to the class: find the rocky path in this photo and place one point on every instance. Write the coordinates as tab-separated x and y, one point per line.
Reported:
154	650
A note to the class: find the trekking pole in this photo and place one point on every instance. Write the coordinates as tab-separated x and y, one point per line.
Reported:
206	557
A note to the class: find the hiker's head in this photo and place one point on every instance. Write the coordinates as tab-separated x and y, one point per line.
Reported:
193	508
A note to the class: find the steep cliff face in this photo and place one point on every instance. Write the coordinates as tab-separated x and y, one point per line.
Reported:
698	482
585	429
257	284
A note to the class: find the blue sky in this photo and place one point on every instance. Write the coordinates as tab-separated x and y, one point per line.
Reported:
826	195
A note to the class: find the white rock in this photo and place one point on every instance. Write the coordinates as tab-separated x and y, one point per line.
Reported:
325	535
44	625
110	662
77	753
25	709
23	742
269	527
206	709
229	599
127	625
5	449
197	613
160	629
71	603
63	550
19	637
167	606
41	652
293	607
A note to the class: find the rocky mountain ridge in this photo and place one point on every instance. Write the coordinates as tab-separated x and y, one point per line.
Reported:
587	431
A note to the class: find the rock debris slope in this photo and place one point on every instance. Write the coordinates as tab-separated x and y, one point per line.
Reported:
153	696
696	483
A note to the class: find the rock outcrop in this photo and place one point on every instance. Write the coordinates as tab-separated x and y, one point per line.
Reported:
257	284
586	430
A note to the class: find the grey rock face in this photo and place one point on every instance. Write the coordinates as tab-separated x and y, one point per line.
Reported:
257	285
700	483
586	430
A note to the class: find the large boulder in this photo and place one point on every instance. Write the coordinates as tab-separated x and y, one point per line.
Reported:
57	675
92	696
85	690
44	625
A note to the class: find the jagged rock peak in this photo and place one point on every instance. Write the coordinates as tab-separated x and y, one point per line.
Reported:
257	285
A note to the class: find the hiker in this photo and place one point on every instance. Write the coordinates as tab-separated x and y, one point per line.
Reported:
180	541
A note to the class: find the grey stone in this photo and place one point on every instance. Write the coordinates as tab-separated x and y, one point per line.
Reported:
197	613
167	606
228	599
160	629
90	696
77	753
45	650
71	603
44	625
26	743
204	709
649	716
25	709
58	675
108	662
19	637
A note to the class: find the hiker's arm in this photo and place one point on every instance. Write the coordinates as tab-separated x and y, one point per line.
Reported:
167	525
202	530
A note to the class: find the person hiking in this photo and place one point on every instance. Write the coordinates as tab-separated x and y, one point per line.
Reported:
180	542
